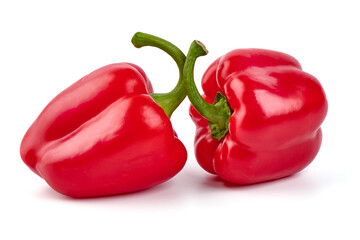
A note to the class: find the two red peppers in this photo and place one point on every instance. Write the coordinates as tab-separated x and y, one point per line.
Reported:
108	133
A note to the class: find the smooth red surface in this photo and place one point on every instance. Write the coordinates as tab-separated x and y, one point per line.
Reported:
277	110
104	135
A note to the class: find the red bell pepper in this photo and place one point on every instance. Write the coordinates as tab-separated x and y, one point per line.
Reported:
265	121
108	133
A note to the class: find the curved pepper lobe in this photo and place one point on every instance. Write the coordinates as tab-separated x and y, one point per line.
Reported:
80	102
237	164
209	82
239	60
127	147
275	108
205	145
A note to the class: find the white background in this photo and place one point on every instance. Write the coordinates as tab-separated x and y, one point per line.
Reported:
46	46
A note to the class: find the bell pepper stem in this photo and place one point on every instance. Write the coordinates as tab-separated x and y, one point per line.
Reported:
171	100
218	113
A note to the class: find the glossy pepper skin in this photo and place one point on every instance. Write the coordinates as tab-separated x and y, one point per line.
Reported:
276	113
104	135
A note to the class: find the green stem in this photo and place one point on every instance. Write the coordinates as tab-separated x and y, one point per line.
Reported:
218	113
171	100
